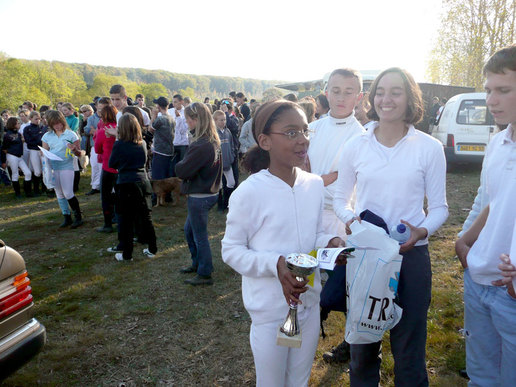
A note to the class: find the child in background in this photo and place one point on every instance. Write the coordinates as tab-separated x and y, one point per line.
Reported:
32	135
104	140
63	142
228	156
133	191
275	212
12	152
201	172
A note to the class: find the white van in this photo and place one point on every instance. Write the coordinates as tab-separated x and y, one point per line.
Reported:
465	128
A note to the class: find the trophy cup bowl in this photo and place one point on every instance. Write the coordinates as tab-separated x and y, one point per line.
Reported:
301	265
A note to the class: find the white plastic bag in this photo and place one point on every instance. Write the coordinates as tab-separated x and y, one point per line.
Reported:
47	173
371	281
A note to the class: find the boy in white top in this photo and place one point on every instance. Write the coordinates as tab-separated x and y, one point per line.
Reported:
330	133
119	99
490	311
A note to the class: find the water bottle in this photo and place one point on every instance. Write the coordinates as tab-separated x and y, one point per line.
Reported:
401	233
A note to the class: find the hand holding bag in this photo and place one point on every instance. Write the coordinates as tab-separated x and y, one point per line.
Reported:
371	282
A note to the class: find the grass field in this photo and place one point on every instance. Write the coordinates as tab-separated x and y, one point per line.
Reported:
111	323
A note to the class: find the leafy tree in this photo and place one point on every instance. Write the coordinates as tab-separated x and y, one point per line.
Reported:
15	78
152	91
470	32
187	92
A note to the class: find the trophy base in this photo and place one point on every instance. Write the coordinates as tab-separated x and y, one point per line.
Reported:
288	341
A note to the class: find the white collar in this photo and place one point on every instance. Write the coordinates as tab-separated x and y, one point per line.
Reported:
341	121
507	136
410	132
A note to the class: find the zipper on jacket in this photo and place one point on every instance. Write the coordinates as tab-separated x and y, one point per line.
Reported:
297	222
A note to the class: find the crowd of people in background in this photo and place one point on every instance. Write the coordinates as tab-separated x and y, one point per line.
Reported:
316	166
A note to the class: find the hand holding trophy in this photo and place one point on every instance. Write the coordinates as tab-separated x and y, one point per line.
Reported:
301	265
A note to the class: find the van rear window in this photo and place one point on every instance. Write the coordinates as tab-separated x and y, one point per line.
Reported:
474	112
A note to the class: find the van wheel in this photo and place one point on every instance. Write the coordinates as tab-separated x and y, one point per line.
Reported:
450	167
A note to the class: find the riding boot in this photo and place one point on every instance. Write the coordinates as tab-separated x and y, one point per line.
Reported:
67	221
27	187
74	205
16	187
35	183
76	179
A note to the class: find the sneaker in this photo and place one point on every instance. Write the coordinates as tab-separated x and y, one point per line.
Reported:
148	254
120	258
113	249
200	280
93	192
189	269
105	229
339	354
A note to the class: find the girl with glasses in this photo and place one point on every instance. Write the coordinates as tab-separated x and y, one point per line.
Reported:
275	212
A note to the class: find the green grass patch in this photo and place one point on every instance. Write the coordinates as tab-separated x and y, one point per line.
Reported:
137	323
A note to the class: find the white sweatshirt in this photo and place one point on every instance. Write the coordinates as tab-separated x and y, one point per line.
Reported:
393	182
326	145
267	219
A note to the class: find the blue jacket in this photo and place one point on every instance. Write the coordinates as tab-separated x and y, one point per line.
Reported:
32	135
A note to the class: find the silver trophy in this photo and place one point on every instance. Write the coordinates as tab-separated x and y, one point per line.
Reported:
301	265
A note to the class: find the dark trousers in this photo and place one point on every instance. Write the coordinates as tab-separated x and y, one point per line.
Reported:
161	166
134	208
179	154
196	233
107	183
408	337
236	172
224	194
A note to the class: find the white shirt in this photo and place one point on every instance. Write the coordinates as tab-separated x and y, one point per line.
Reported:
267	219
326	145
495	237
393	182
181	129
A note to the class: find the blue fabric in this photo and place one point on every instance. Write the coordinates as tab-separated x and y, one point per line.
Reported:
196	233
63	204
161	166
489	316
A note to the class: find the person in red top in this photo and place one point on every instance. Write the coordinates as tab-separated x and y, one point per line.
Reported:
104	140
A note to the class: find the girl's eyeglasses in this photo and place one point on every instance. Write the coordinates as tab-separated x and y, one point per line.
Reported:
293	134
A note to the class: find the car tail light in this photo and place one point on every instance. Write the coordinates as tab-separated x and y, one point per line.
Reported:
450	141
15	294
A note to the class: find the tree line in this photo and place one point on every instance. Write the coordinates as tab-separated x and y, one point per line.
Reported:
46	83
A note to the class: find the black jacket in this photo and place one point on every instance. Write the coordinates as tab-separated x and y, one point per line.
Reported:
13	143
33	134
201	168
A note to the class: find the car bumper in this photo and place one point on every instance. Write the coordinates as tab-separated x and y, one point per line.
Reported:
20	346
453	157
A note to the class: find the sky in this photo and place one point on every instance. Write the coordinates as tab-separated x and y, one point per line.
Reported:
283	40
